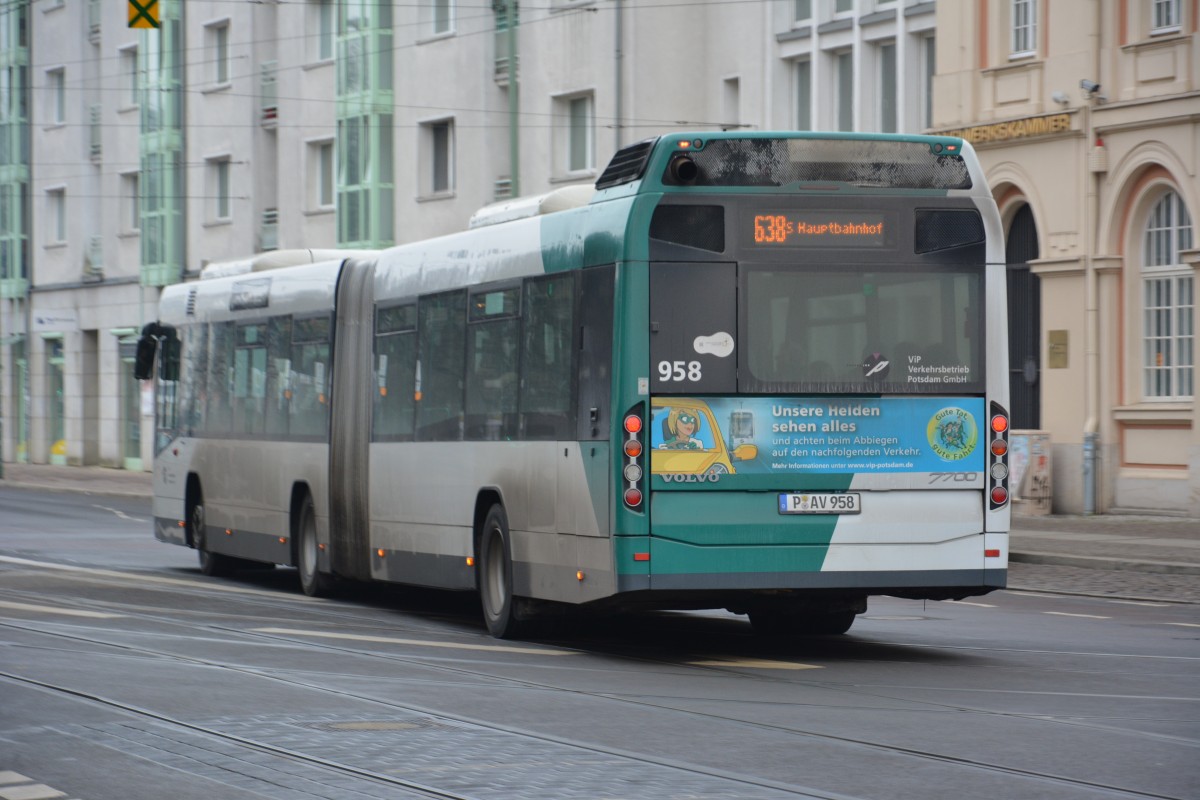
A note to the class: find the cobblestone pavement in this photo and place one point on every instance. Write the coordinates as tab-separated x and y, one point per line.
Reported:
1122	584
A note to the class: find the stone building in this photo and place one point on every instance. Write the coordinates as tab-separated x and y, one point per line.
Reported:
1086	116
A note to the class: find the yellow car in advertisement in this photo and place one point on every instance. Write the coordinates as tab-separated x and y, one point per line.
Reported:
686	440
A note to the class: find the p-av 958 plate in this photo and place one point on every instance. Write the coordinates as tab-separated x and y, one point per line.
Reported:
820	503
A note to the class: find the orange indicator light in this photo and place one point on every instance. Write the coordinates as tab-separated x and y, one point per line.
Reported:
228	532
633	448
999	447
579	575
321	547
380	552
684	144
283	540
470	561
182	524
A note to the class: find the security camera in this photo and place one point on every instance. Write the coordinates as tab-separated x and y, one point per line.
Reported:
1061	98
1091	87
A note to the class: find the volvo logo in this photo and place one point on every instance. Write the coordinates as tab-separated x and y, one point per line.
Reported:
683	477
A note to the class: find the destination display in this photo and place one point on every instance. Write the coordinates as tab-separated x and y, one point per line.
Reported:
817	229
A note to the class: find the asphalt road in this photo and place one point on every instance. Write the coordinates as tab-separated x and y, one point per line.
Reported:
124	673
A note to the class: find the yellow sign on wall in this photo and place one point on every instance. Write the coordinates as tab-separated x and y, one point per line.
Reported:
143	13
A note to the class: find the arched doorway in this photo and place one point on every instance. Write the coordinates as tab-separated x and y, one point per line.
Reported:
1024	322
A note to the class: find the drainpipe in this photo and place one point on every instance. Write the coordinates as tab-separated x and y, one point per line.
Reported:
514	144
618	55
1091	428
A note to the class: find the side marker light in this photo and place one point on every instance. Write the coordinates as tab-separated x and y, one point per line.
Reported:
380	552
470	561
641	556
579	575
991	553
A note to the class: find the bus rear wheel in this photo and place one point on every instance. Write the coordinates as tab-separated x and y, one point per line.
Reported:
211	563
505	614
314	582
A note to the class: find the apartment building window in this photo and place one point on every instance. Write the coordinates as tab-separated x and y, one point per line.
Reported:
1024	28
441	16
886	53
320	174
803	10
1168	302
843	7
56	215
131	208
844	66
803	72
573	120
1164	16
322	25
56	98
928	70
437	153
218	194
130	83
218	51
731	104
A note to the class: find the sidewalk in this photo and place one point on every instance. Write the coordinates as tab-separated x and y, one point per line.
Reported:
1112	555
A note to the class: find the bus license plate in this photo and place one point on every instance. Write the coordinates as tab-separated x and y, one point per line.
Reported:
820	503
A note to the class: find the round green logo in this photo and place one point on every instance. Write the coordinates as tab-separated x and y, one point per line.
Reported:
952	433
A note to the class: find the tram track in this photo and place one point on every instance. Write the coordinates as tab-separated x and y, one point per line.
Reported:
490	678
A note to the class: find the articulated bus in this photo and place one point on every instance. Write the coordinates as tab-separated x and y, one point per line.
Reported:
763	372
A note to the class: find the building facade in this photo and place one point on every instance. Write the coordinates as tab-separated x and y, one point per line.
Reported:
1086	116
130	159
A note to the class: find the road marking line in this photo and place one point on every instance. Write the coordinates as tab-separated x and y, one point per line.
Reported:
120	514
70	612
8	776
753	663
1065	614
36	791
494	648
1183	624
977	605
1140	603
141	578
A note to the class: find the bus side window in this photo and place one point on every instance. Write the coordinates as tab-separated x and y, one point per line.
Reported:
395	373
195	378
442	324
250	379
493	336
595	352
219	411
547	357
308	378
279	369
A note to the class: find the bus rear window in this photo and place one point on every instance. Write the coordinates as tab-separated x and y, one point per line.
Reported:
850	330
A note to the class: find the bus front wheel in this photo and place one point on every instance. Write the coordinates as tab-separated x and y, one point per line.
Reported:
314	582
211	563
506	615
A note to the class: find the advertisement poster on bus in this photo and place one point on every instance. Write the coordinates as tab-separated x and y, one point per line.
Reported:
760	435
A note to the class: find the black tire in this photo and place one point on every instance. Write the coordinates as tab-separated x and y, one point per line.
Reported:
314	582
506	615
211	563
773	622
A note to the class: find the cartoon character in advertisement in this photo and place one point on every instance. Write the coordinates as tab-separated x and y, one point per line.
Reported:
687	440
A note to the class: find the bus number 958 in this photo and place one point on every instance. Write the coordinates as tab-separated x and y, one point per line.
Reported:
679	371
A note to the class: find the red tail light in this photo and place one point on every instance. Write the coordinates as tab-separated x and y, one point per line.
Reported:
998	467
632	471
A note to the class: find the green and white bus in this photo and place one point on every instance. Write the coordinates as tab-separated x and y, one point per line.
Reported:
764	372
